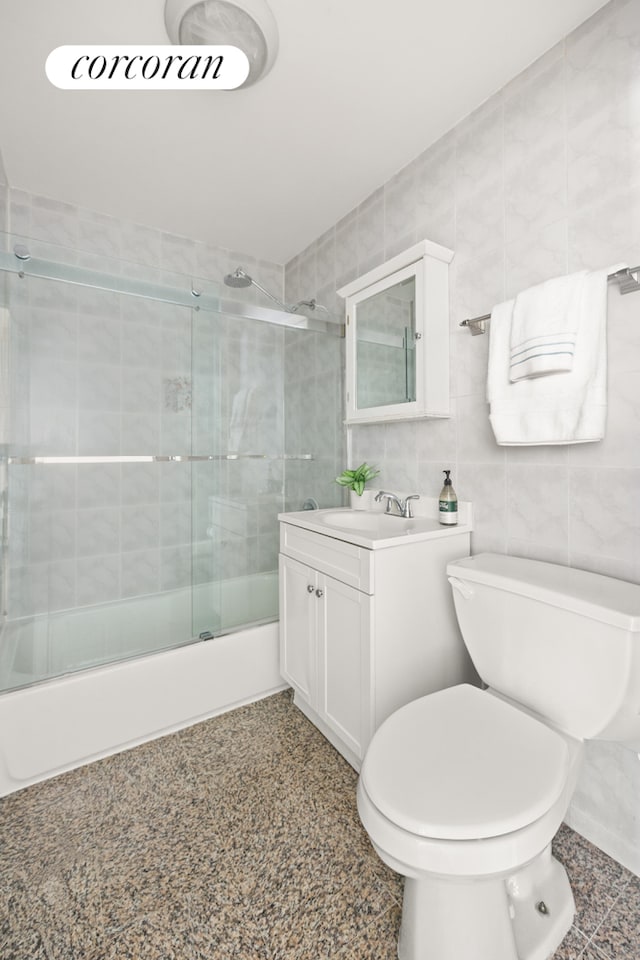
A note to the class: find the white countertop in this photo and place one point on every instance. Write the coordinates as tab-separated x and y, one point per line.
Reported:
374	529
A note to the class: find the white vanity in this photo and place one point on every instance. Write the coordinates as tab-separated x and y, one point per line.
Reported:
366	615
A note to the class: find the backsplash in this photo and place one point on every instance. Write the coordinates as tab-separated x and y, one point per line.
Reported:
543	179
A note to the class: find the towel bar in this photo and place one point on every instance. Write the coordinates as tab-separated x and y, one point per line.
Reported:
627	283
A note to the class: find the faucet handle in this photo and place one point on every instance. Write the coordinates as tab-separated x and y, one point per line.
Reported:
408	513
381	495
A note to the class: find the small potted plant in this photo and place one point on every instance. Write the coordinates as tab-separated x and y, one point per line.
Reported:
356	480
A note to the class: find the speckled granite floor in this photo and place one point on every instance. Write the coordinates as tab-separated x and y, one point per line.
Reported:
238	838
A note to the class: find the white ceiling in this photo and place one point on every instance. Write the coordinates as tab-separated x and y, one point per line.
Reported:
359	89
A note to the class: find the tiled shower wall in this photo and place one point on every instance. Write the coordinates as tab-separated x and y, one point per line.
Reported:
108	374
543	179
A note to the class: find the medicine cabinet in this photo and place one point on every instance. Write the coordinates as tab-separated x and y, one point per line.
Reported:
397	338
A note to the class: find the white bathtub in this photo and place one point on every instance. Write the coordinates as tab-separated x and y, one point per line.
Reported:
59	724
44	646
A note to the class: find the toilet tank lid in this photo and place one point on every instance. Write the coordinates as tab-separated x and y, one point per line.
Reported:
591	595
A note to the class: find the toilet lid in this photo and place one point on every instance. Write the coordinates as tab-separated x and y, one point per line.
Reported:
462	764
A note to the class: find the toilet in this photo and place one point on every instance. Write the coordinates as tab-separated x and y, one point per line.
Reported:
462	791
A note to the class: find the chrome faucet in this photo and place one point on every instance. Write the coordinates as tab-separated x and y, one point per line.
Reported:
404	506
390	498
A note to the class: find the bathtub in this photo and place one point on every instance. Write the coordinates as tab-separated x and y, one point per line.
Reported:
61	723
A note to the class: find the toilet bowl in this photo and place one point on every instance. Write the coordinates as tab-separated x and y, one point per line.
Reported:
462	791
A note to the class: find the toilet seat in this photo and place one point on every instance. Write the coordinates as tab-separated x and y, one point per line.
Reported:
462	764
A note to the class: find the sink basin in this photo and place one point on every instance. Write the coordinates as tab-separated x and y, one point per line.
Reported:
364	520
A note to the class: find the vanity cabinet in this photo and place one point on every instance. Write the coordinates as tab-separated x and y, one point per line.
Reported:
324	648
364	631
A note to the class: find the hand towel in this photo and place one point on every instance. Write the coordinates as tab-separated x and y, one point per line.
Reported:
544	327
568	408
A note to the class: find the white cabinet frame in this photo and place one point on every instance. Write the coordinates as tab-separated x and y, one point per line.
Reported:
428	262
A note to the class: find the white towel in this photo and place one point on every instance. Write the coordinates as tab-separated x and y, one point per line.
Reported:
568	408
544	327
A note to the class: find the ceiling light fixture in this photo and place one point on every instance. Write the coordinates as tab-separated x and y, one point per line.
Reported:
246	24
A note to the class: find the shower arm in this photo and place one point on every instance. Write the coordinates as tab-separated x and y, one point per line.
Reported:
282	305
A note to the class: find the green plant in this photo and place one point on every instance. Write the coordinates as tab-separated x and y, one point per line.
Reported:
356	479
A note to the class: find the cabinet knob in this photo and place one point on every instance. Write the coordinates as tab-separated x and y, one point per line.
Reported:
319	593
310	588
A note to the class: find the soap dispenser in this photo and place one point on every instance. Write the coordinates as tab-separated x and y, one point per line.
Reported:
448	505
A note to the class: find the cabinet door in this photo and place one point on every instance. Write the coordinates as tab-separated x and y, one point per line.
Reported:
297	626
344	673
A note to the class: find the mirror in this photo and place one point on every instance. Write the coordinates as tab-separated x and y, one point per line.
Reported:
385	346
397	338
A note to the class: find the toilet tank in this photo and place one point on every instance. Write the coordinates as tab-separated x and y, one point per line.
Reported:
562	642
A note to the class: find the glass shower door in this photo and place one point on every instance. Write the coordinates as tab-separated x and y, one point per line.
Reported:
99	518
238	484
145	458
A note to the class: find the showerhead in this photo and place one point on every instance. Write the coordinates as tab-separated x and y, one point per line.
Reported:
238	278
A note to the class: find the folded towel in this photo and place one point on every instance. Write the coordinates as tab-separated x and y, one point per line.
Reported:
568	408
498	369
544	327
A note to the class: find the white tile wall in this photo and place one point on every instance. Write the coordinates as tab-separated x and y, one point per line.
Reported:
542	179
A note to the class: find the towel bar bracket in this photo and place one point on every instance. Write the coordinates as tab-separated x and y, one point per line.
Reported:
627	282
476	325
627	279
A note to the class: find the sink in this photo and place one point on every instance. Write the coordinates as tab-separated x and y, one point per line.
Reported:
374	529
374	525
364	520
